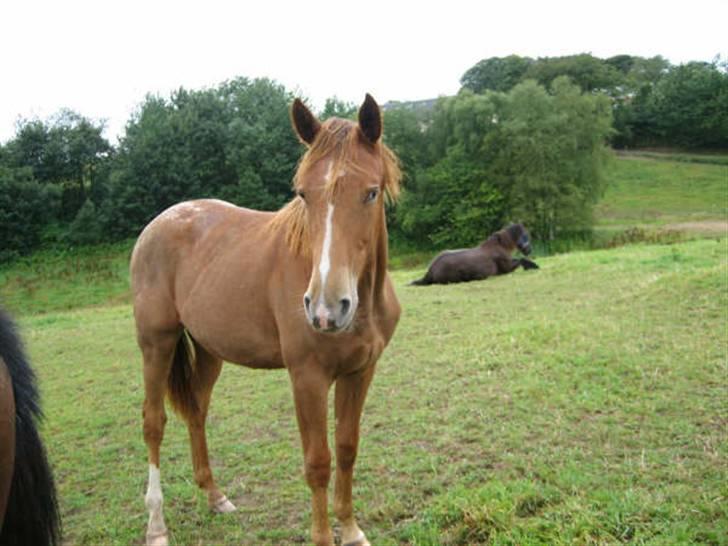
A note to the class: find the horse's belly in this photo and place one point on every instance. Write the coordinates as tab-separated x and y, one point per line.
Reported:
242	334
240	347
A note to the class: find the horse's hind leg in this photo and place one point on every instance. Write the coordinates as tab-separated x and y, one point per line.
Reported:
158	352
207	370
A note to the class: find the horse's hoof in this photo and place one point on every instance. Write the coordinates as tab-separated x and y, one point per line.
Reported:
223	506
360	540
157	539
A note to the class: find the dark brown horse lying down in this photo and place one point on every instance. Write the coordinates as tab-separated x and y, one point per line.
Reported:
491	257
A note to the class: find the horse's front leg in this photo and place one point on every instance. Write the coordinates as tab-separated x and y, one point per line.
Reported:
351	391
310	391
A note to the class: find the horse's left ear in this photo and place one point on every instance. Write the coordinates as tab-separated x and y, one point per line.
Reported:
370	119
304	122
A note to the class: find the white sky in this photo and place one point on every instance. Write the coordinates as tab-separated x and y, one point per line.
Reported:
100	57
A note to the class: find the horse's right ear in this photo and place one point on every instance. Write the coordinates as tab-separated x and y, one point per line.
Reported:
304	122
370	119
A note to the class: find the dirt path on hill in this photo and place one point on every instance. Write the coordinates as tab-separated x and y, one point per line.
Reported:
713	227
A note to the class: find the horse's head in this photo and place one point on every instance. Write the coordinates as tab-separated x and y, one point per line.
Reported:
519	236
523	242
341	182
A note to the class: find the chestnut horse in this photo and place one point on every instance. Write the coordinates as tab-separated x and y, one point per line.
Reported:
28	507
305	288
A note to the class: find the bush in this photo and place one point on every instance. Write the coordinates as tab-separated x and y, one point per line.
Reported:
87	227
25	209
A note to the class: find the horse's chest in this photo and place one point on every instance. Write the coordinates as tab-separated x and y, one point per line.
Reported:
349	355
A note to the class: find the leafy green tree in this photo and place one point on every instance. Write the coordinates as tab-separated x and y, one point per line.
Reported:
454	203
496	73
588	72
232	142
622	63
550	152
335	107
87	227
25	207
68	151
687	107
529	155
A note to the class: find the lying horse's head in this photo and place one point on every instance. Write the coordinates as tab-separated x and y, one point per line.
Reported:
341	182
519	236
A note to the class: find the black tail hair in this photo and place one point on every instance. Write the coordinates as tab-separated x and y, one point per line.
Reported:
182	377
32	514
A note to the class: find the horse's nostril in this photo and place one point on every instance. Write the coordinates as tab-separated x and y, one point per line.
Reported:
307	301
345	305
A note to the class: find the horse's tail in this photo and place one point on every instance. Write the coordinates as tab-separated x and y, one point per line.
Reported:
423	281
180	380
31	516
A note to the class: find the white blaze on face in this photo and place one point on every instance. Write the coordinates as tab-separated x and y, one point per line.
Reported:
325	262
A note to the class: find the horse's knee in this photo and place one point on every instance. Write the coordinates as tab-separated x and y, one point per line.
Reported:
317	468
345	455
154	423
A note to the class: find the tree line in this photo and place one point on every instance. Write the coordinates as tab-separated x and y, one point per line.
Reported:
655	103
523	140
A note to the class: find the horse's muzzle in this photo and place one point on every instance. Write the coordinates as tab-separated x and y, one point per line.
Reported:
324	318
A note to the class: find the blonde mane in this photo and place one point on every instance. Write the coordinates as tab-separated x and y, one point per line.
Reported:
337	138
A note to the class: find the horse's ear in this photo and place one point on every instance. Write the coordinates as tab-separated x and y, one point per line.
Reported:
370	119
304	122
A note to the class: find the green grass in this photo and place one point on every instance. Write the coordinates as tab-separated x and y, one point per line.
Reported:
584	403
54	280
658	193
716	158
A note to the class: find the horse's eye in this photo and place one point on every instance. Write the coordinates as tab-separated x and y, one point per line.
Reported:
372	195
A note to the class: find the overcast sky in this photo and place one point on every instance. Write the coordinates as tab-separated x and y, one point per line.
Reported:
100	58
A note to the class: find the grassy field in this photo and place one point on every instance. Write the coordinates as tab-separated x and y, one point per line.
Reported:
658	193
58	280
584	403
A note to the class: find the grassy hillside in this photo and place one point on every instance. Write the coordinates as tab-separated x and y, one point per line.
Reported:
57	280
659	193
584	403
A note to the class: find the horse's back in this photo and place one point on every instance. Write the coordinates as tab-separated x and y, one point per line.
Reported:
460	265
182	240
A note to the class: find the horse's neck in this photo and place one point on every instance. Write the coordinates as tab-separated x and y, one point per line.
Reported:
372	283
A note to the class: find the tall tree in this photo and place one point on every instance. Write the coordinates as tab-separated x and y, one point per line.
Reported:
67	150
588	72
334	107
25	207
232	142
530	154
496	73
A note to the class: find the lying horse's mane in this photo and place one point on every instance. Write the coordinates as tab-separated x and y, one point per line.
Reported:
339	138
512	231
